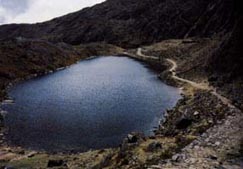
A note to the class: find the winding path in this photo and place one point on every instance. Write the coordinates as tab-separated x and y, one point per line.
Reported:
139	53
194	84
225	136
202	86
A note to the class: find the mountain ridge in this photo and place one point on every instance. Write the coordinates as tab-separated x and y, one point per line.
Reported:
130	23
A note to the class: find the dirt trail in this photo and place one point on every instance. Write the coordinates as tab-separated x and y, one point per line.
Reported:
139	53
202	86
194	84
211	149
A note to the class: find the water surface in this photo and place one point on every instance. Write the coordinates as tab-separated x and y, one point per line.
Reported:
93	104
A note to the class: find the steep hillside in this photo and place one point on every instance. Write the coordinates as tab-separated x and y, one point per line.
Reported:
130	23
225	65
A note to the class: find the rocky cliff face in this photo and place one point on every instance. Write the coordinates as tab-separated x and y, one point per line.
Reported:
131	23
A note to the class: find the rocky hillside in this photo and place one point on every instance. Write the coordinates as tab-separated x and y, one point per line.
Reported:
224	66
131	23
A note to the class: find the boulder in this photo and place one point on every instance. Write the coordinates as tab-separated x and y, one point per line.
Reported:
55	163
183	123
154	146
134	137
196	113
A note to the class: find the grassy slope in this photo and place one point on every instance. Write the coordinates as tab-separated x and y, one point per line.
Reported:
22	58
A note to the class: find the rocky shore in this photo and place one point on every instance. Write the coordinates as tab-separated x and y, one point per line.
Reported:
200	131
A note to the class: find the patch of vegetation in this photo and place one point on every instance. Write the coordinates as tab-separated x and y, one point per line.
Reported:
39	160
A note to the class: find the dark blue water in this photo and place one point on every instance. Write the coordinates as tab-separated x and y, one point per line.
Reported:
93	104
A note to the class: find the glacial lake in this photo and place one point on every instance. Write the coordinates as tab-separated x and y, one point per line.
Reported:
93	104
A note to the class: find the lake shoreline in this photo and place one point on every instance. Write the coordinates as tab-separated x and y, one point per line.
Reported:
182	125
152	65
129	75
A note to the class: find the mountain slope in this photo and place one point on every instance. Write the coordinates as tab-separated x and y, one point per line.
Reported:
131	23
